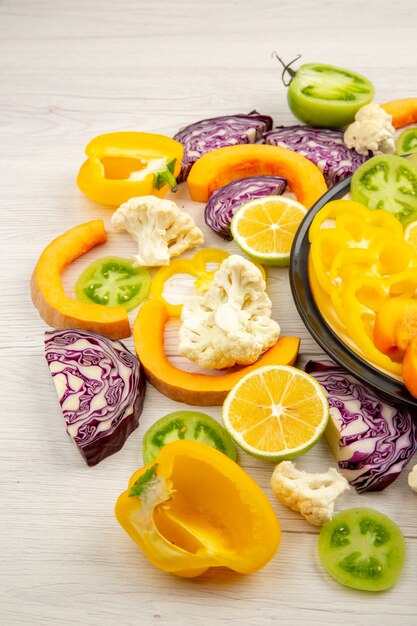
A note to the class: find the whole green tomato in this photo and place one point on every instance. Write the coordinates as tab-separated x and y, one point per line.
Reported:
326	96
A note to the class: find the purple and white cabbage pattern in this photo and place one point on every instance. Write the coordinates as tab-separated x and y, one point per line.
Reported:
325	148
371	438
217	132
224	202
101	389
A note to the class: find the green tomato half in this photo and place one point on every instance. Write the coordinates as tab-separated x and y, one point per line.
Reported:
191	425
387	182
327	96
363	549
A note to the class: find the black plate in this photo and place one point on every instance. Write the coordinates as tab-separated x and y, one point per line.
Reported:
313	320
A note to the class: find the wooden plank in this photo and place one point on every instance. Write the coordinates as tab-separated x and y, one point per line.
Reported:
69	71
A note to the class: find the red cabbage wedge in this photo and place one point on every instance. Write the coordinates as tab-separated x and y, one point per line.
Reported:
101	389
217	132
371	438
324	147
224	202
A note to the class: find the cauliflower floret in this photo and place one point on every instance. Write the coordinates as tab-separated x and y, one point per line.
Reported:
412	479
372	131
159	227
230	324
312	495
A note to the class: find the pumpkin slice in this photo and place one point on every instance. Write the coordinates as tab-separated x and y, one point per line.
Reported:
49	297
220	167
192	388
403	111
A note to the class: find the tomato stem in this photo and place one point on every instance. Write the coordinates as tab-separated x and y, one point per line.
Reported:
287	67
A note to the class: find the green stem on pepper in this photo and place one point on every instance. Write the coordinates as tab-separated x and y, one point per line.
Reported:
166	176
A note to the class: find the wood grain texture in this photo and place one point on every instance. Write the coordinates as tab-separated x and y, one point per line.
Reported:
69	71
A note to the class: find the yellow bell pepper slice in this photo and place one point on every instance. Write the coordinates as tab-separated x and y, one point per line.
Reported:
330	242
197	267
194	508
347	265
332	210
357	261
387	257
361	299
324	304
124	165
362	294
354	227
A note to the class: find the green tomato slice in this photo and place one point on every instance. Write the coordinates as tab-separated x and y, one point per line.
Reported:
387	182
407	141
113	281
363	549
190	425
329	96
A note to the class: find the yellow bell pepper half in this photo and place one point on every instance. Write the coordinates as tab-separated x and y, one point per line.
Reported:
194	508
197	266
128	164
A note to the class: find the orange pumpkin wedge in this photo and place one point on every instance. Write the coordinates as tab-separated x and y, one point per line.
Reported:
192	388
49	297
403	112
219	167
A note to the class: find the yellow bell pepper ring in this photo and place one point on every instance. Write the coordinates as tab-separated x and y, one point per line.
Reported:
197	266
194	508
361	299
358	228
128	164
355	211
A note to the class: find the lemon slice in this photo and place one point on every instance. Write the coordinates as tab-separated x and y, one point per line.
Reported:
276	412
265	228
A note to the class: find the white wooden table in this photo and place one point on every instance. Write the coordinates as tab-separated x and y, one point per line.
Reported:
72	70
